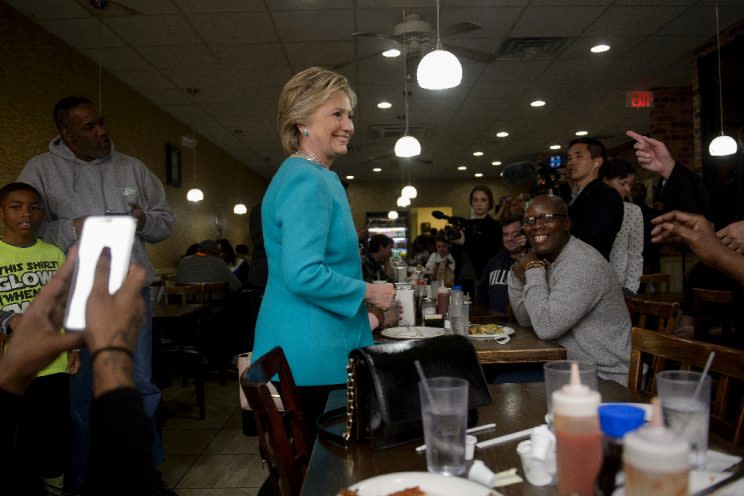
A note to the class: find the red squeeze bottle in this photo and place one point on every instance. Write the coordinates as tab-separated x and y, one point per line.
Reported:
578	438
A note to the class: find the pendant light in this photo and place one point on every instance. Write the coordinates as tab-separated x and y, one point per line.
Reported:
240	209
439	69
195	195
406	146
403	202
392	215
409	192
722	145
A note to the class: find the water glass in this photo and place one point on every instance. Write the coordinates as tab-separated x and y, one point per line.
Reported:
459	316
558	374
445	416
685	414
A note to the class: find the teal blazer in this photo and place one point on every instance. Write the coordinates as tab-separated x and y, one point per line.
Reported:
313	306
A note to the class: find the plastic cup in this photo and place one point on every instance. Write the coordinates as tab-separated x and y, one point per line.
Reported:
460	319
470	442
445	421
558	373
535	470
686	415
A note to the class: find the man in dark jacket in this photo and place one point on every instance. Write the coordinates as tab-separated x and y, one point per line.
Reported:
596	210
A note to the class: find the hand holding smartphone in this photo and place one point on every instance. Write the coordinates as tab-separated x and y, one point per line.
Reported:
113	231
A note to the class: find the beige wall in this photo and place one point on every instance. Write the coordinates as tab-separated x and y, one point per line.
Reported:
365	197
37	69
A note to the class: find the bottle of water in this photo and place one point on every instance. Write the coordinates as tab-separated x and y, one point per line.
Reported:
457	311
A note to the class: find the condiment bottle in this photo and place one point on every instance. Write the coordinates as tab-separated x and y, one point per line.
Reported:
656	461
578	440
615	421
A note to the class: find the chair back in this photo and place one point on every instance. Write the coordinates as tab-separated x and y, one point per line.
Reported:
283	437
659	315
727	407
210	291
183	294
713	313
651	283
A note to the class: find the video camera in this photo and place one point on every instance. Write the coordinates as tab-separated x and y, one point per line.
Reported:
457	225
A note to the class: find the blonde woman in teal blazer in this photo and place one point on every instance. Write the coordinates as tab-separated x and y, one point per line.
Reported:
315	303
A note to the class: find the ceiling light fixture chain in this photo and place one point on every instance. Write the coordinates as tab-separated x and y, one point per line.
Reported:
720	81
722	145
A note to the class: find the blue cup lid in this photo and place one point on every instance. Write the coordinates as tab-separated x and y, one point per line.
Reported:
616	420
457	287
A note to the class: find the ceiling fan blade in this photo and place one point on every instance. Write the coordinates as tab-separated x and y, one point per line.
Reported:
384	36
356	60
471	54
460	28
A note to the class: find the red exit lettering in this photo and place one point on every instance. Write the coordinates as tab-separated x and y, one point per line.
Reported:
641	99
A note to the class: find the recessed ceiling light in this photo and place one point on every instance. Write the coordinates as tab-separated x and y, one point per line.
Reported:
582	133
555	147
462	167
384	105
376	169
478	174
599	48
393	52
477	154
349	177
502	134
496	162
537	103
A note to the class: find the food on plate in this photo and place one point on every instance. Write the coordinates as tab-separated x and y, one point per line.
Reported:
409	491
485	329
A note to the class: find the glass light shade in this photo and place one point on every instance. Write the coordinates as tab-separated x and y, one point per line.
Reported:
722	146
407	146
439	70
195	195
409	192
392	215
403	201
240	209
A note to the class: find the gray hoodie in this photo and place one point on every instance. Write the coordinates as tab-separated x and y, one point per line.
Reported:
72	188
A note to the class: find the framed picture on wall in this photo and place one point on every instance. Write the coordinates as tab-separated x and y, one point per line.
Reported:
173	165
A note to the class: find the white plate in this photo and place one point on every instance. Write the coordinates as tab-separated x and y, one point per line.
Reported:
431	484
505	331
413	332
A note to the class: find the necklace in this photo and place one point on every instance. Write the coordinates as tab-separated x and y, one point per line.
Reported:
306	156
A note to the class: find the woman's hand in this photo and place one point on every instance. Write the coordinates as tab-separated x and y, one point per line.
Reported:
733	236
73	362
380	295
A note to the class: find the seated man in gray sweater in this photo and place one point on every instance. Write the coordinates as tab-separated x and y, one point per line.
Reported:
567	291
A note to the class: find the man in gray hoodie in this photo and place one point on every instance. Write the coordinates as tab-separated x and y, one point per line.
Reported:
83	175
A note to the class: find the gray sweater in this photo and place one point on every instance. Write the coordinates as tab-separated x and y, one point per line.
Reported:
72	188
578	302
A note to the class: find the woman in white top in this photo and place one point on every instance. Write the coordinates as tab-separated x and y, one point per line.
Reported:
626	256
441	265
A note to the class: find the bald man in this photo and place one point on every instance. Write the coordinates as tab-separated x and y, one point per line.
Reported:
567	291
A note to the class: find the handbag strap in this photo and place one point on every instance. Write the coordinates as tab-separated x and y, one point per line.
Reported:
337	415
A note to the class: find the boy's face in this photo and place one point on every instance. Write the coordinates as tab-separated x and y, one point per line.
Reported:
21	212
442	248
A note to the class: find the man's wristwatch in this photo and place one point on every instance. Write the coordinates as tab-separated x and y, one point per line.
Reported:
533	264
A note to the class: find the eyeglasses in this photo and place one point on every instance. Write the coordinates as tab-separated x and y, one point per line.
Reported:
542	219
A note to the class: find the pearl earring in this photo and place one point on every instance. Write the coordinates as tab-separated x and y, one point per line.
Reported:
305	132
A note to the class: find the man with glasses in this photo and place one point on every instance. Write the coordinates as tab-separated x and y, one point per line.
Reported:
566	291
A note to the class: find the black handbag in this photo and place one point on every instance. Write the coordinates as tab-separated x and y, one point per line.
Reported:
382	398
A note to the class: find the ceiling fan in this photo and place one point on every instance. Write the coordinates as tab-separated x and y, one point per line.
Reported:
421	38
107	8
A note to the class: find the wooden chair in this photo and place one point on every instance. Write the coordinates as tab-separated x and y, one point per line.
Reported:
184	293
644	313
713	313
652	282
727	367
283	438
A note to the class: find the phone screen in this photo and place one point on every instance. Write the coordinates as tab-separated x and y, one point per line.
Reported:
116	232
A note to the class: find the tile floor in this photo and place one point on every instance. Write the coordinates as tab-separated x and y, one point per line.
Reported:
209	457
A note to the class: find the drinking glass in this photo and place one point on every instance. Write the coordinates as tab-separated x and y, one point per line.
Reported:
558	374
445	417
685	414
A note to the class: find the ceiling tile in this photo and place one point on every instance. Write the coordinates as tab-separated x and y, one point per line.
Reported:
83	33
167	57
323	53
149	6
49	9
300	25
554	21
240	27
251	55
633	21
276	5
700	20
154	30
213	6
118	60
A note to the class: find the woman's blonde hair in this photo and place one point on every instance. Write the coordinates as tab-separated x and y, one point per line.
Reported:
301	97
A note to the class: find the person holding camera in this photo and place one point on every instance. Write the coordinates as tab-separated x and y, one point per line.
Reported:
479	239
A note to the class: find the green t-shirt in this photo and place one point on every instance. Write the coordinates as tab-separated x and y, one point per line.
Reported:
23	272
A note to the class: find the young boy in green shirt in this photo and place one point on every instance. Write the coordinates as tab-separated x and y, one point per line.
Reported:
26	264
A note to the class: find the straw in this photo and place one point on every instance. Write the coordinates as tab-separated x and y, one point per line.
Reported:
425	384
704	374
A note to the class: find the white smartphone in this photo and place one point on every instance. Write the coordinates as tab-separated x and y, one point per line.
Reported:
116	232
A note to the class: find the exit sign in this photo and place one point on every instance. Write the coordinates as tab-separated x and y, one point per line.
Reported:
640	99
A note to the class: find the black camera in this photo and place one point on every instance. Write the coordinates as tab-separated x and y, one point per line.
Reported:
457	225
452	233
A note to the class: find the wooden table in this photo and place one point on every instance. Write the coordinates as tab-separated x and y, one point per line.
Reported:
515	407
